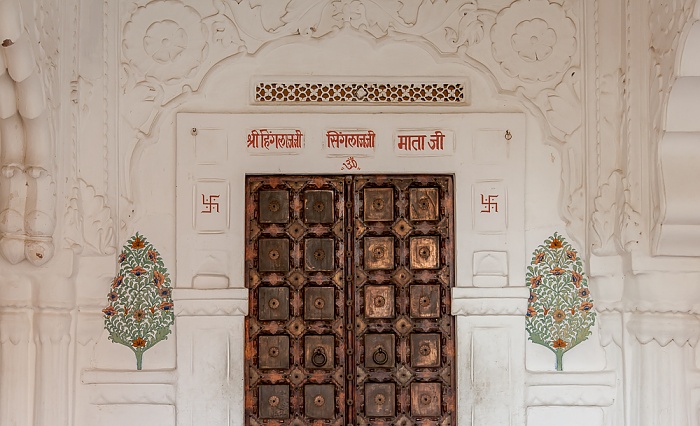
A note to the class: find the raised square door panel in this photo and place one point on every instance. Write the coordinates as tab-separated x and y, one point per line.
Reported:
319	303
319	254
379	204
425	301
318	206
426	399
274	206
319	401
319	352
379	253
425	350
424	204
273	255
274	352
425	253
273	303
379	301
379	350
380	399
274	401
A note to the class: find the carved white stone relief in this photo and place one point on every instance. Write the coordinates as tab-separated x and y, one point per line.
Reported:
90	228
677	135
528	50
667	20
533	40
28	195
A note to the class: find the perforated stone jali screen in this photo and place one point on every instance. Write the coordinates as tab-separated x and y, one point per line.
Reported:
440	93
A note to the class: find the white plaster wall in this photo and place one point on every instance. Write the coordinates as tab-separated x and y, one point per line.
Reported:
593	171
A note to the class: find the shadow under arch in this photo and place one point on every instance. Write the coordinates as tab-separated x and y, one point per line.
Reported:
677	231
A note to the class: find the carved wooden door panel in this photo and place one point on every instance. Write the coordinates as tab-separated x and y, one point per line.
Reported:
349	318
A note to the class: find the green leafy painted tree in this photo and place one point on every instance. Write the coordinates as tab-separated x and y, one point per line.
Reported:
140	309
560	309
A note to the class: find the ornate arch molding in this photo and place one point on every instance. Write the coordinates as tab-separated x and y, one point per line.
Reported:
27	194
528	48
678	225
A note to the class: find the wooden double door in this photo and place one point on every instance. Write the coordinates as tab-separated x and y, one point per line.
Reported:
349	320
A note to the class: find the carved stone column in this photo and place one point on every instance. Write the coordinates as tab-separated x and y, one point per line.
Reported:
52	339
661	358
490	354
210	341
14	367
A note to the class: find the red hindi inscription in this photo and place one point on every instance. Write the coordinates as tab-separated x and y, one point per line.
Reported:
265	139
417	142
337	139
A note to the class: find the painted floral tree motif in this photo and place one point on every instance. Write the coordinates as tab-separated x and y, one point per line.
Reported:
140	309
560	309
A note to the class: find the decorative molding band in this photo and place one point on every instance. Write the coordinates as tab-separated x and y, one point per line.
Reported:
142	394
144	377
224	302
595	389
387	92
489	301
111	387
664	328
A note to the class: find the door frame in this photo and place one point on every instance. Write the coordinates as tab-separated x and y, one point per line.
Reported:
212	259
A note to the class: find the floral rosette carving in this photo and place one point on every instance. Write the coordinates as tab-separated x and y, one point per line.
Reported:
533	40
139	313
166	40
560	308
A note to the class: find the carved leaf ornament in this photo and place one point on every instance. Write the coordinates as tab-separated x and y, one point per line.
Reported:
139	313
560	308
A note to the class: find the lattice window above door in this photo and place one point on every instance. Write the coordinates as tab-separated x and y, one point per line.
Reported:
361	92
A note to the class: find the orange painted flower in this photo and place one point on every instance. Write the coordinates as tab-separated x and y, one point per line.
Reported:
109	311
137	243
576	278
126	311
557	271
152	309
138	271
139	314
559	315
117	281
573	311
559	343
138	343
571	255
164	292
112	296
586	306
584	292
122	257
158	279
531	312
536	281
166	306
152	255
546	310
539	257
532	298
555	244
